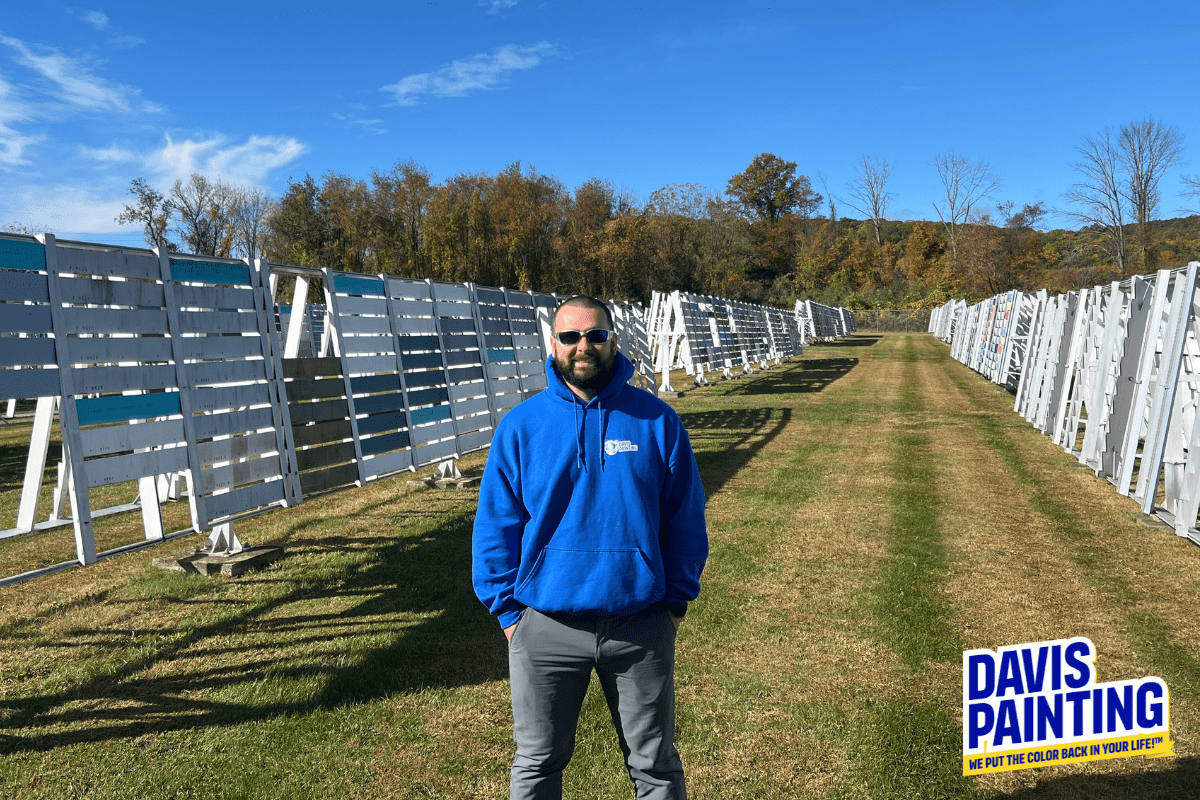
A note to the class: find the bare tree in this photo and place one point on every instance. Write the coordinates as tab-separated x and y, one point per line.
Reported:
251	208
869	188
206	213
1147	149
1099	196
151	210
833	218
966	183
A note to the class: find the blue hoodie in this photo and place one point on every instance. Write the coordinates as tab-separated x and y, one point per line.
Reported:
589	508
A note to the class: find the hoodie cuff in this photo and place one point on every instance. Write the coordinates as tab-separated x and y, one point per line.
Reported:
509	618
678	609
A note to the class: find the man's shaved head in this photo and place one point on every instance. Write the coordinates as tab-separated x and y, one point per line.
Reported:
583	301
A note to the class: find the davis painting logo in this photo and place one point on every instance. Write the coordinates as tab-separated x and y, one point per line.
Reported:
614	446
1031	705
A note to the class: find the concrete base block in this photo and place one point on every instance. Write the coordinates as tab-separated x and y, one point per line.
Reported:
230	566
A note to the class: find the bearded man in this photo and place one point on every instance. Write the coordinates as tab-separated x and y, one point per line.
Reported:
588	544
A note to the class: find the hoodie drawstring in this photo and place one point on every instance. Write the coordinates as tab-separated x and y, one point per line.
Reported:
600	408
579	436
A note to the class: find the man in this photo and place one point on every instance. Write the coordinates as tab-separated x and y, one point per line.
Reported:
589	542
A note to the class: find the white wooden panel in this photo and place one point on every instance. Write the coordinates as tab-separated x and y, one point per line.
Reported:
113	320
507	401
112	349
83	291
417	290
463	391
432	453
361	305
120	438
506	369
29	383
527	341
218	321
216	297
370	365
465	408
239	500
236	447
428	433
118	469
239	474
353	345
26	351
209	425
388	462
415	325
108	380
412	308
228	397
210	372
451	291
212	347
87	261
358	324
474	441
25	319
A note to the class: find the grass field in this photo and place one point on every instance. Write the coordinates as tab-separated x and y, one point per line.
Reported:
874	508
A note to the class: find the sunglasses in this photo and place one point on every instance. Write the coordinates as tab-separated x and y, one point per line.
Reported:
571	338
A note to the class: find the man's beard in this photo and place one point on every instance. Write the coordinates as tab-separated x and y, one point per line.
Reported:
591	377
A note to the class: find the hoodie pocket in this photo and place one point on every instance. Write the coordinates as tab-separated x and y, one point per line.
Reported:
590	581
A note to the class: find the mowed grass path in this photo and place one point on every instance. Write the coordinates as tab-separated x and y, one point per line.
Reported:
874	509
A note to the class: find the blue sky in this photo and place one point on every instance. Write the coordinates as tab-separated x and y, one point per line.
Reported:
639	94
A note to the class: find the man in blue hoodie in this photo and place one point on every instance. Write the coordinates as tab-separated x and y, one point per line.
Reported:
589	542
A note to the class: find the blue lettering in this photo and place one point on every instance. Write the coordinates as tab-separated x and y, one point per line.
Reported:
1034	678
1053	718
979	727
1084	673
1154	718
1010	674
1077	699
1120	705
975	691
1098	710
1006	724
1055	668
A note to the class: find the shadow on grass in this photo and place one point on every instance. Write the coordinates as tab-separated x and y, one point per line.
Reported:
401	611
1181	780
812	375
725	441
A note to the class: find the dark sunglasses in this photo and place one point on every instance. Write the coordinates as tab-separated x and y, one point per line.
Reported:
571	338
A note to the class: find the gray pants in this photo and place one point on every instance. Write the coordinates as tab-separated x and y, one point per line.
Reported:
550	661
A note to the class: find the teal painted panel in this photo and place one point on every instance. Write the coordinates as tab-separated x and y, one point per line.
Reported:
351	284
16	254
498	356
210	272
99	410
422	415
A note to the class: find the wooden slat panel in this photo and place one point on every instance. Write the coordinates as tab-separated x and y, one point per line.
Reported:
358	365
236	447
83	291
120	438
323	480
388	462
378	403
223	397
372	384
208	426
432	453
314	389
421	360
416	290
465	408
506	370
413	343
416	380
22	254
217	297
118	469
507	401
107	380
20	384
112	349
311	367
363	305
239	474
17	287
107	263
424	397
353	345
428	433
316	457
356	324
196	271
412	308
462	391
207	373
24	319
451	291
195	348
239	500
25	351
322	432
218	321
379	423
458	358
452	325
492	297
113	320
416	325
99	410
304	413
374	445
474	441
357	284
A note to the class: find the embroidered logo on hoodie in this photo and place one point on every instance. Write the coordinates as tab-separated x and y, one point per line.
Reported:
614	446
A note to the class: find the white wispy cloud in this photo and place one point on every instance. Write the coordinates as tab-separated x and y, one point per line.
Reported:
367	124
245	163
127	41
64	207
113	153
14	110
97	19
72	83
460	77
496	6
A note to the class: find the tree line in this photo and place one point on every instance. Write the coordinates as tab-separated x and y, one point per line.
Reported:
769	237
